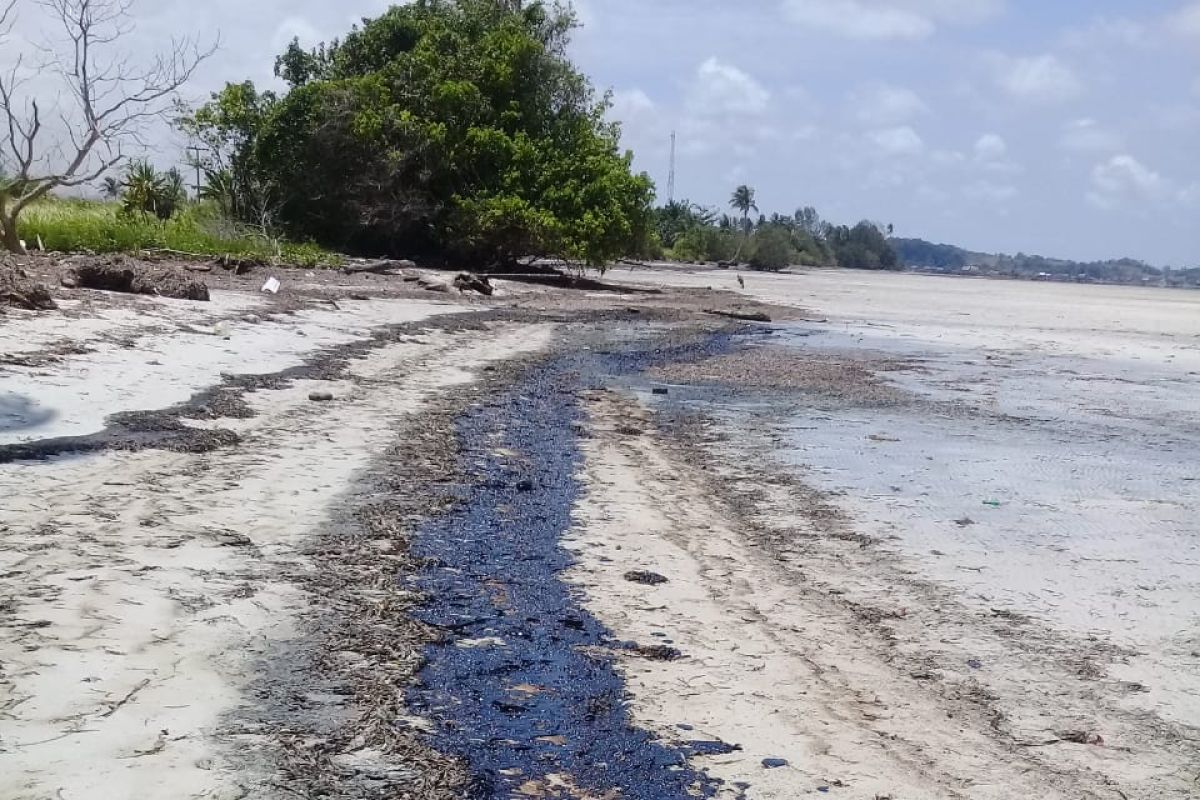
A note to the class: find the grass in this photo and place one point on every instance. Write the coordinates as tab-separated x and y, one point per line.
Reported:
71	225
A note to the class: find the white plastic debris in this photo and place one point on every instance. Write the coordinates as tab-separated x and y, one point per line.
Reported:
272	285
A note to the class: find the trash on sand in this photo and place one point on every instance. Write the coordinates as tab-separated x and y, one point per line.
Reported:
993	503
660	390
974	663
272	285
774	763
320	397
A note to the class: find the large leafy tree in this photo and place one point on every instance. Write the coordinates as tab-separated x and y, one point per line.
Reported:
456	128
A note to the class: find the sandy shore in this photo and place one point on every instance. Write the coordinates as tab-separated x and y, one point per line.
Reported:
934	542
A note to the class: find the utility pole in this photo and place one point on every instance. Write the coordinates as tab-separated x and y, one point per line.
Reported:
196	150
671	176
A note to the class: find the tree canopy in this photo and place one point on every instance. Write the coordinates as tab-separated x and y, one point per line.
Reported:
449	128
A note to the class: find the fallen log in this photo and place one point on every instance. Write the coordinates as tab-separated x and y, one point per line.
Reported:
742	316
382	266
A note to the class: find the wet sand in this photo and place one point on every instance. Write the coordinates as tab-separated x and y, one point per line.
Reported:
996	484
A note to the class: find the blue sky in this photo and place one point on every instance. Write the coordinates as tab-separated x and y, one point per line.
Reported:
1065	128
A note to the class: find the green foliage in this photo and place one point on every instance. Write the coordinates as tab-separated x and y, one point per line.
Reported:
677	218
706	243
455	128
771	243
742	201
147	192
865	246
771	249
71	224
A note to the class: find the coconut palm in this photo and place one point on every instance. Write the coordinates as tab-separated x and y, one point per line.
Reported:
743	201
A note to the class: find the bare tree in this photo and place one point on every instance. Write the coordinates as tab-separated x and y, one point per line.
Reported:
104	103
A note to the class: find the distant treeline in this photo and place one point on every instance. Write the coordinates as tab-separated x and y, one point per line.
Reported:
923	255
689	232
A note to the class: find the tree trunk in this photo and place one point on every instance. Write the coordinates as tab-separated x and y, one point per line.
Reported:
8	235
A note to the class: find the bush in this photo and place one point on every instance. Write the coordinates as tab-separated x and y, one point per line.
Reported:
771	249
72	224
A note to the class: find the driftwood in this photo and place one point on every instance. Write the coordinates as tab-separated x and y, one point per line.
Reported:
382	266
743	316
470	282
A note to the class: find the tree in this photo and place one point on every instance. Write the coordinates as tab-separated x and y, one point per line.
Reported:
109	103
772	248
742	201
455	129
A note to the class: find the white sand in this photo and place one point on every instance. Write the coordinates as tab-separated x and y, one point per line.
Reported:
165	356
133	621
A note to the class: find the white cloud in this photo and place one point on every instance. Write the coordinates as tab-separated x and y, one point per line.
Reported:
1088	136
1108	32
990	192
1123	179
721	88
859	20
631	104
886	19
881	104
1186	21
1037	79
900	141
990	147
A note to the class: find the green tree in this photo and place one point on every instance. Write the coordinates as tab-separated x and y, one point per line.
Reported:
450	128
771	248
742	201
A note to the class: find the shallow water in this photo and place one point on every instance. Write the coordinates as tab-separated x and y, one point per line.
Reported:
1059	487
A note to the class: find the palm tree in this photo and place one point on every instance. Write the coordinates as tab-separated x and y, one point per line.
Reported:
743	201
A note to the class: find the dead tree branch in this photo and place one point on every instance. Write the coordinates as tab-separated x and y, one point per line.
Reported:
110	100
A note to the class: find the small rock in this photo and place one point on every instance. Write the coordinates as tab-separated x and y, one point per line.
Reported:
661	390
774	763
320	397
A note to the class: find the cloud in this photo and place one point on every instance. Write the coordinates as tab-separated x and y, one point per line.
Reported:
1108	32
990	192
881	104
1186	21
1037	79
990	147
631	103
721	88
899	141
886	19
1123	179
1087	136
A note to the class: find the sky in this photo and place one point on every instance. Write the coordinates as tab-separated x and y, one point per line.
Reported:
1067	128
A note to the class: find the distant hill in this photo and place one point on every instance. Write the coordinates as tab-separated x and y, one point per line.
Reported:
923	256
